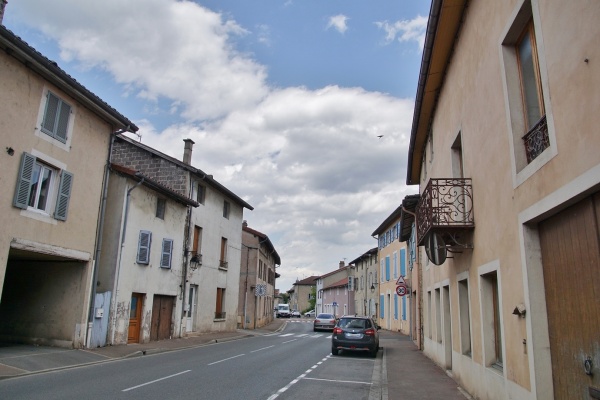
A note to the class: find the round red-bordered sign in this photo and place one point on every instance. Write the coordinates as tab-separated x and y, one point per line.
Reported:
401	290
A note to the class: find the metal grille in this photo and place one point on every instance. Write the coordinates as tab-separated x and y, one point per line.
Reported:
537	140
445	203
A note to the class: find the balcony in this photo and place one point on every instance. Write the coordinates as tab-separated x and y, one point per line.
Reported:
220	315
536	140
445	207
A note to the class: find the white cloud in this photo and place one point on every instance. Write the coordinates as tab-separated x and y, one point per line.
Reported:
338	22
405	30
308	161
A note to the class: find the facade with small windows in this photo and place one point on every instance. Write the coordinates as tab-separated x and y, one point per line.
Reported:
394	310
504	148
56	143
301	294
333	292
212	237
366	293
257	279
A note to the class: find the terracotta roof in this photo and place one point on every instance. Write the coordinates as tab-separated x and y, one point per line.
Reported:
264	238
340	283
311	280
367	254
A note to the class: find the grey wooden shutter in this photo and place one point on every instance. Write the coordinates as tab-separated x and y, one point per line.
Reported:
56	117
167	251
64	195
49	122
145	240
63	122
23	189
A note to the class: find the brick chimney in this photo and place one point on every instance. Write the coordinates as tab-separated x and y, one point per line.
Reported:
342	264
2	5
187	149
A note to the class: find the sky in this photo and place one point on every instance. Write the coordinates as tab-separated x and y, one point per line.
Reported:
303	108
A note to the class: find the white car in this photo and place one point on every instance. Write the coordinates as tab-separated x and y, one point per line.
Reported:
295	314
309	314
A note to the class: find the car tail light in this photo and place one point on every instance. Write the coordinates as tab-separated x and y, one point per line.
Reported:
370	332
317	321
337	331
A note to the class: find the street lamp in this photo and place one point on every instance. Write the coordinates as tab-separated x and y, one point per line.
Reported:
372	288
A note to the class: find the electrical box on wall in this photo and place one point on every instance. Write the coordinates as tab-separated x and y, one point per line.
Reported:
99	312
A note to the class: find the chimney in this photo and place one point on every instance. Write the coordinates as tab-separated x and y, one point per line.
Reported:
245	224
342	264
187	149
2	5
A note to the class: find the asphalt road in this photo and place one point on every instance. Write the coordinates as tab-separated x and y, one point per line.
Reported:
293	364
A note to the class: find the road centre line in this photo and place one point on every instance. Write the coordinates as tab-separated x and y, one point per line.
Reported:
264	348
156	380
286	334
289	341
225	359
302	376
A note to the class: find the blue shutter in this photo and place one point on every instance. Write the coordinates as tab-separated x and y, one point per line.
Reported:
167	251
395	306
64	194
145	240
381	311
23	190
387	268
403	262
404	308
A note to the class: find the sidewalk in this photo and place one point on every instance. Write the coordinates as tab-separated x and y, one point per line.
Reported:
406	373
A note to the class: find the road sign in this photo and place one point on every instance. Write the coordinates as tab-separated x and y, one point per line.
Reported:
335	303
400	281
401	290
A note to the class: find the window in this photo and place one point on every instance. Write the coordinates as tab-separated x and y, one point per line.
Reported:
201	194
403	262
223	259
160	208
144	242
167	252
387	268
37	187
226	209
220	304
465	318
490	300
197	243
531	88
56	117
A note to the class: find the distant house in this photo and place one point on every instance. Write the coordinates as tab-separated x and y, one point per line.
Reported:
394	310
301	294
332	293
366	291
56	137
257	279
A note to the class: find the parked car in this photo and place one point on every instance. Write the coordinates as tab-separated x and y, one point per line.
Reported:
353	333
324	321
310	314
283	311
295	314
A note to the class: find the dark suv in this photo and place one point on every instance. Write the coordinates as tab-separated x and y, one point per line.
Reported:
355	334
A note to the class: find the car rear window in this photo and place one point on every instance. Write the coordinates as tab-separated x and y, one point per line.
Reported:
355	323
325	316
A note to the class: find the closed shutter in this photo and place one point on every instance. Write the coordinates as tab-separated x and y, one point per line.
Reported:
403	262
49	122
395	265
381	310
63	122
387	268
64	194
145	240
404	308
395	306
167	251
23	189
56	118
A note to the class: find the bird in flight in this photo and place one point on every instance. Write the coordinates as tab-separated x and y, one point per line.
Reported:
379	136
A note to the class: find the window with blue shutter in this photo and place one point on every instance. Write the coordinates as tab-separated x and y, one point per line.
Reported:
64	194
166	255
387	268
404	308
403	262
395	265
381	310
56	118
395	306
144	243
24	181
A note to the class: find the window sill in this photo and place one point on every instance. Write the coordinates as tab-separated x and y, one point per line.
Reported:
219	320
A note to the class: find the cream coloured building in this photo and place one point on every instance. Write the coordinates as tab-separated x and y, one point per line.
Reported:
506	152
56	137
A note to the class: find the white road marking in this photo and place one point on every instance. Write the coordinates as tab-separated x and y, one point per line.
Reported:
293	340
264	348
302	376
286	334
154	381
336	380
225	359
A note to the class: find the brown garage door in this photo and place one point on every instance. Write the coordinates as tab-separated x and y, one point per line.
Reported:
571	259
162	313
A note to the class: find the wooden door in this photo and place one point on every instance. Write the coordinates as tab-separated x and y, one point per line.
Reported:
135	317
162	313
571	263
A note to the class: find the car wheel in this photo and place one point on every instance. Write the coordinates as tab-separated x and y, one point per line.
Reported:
373	352
314	329
334	351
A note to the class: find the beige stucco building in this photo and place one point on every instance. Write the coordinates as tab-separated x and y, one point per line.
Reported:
366	289
56	141
506	152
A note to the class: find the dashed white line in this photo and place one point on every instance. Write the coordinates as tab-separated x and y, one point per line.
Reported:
339	381
225	359
302	376
264	348
156	380
289	341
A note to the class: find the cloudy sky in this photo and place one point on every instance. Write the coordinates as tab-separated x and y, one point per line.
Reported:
286	101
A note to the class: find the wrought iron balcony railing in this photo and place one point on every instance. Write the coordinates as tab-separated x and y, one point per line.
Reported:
220	315
536	140
445	205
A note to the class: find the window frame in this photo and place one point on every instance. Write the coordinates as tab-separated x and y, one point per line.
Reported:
60	126
529	31
166	253
161	207
226	209
144	250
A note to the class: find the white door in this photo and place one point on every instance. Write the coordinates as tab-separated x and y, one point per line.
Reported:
190	325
